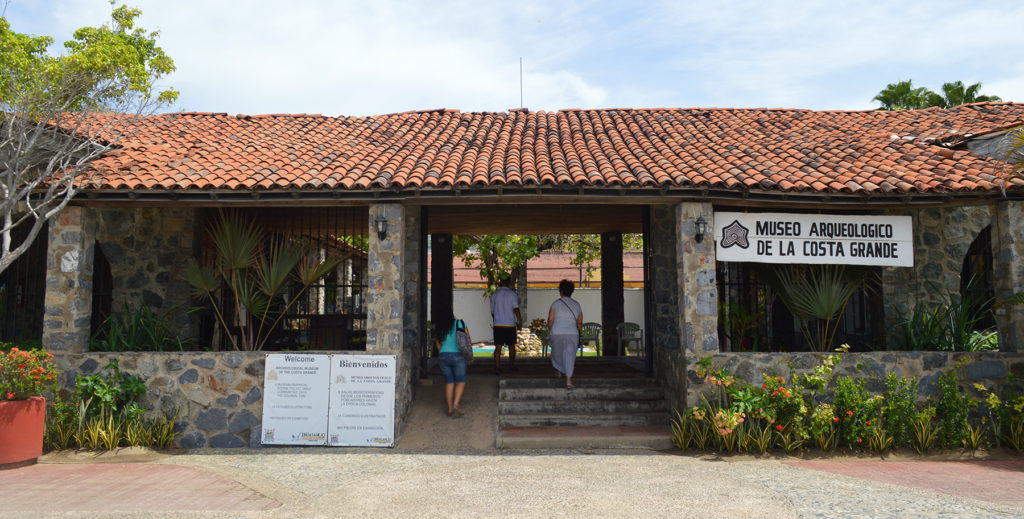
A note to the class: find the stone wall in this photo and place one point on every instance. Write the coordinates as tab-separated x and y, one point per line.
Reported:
218	395
1008	272
993	369
148	249
941	239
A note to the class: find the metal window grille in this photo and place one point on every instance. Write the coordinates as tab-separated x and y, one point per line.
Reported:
23	291
330	314
753	318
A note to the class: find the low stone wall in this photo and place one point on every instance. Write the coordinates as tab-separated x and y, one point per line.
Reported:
219	395
989	368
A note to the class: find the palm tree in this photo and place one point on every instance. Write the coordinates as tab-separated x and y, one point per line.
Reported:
905	96
956	94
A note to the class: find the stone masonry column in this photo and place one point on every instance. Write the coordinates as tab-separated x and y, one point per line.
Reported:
68	301
390	296
385	299
1008	272
698	292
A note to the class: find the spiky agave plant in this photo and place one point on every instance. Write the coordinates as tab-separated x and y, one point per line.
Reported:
255	270
817	295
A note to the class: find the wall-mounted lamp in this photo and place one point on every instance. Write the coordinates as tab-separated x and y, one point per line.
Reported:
702	229
381	224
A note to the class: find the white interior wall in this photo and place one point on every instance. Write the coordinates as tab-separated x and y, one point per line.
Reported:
472	307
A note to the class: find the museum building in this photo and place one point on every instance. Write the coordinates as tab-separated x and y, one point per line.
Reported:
923	198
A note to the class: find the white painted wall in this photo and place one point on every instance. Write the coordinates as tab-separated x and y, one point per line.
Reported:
472	307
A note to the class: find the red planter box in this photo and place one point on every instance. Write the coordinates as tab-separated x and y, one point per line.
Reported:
21	431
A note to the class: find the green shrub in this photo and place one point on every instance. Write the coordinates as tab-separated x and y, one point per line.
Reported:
139	329
949	326
858	411
104	413
898	408
952	405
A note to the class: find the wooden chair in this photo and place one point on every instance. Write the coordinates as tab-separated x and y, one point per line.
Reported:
627	333
591	334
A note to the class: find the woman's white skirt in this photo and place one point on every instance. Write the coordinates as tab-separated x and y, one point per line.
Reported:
563	352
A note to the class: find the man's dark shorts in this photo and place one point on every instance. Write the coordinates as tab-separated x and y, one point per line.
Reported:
504	335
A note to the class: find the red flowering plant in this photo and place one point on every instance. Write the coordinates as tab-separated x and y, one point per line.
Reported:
25	374
784	403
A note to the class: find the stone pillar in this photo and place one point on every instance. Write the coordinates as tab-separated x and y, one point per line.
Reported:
661	279
385	299
388	297
1008	270
612	299
68	302
698	292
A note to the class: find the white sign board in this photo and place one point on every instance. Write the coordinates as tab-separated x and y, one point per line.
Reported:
814	238
295	399
362	411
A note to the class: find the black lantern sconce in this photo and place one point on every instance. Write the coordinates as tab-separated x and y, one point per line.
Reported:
381	224
702	229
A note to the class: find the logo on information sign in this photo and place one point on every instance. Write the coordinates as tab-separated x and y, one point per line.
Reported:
735	234
268	435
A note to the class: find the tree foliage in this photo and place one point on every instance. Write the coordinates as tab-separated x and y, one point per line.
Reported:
59	112
496	255
903	95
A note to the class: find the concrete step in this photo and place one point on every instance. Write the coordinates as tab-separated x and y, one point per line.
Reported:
580	406
583	419
582	393
556	382
647	437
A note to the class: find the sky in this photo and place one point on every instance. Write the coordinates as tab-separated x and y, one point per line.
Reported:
384	56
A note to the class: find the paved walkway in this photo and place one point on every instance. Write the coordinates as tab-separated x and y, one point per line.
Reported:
324	482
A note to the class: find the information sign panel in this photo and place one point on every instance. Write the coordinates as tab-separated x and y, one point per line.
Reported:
295	399
362	408
814	238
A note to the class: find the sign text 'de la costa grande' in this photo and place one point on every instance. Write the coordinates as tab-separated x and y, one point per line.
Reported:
814	238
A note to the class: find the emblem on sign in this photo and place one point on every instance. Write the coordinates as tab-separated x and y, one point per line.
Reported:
735	234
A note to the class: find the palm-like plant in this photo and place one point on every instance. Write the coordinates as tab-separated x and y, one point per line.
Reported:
903	95
255	270
956	94
817	295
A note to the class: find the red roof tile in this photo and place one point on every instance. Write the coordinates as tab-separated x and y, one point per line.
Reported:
865	152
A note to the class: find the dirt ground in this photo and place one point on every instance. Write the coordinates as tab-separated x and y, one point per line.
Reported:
429	427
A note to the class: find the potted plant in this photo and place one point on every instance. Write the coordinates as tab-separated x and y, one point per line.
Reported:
24	375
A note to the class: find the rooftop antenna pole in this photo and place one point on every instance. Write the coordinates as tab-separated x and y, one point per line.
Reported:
520	81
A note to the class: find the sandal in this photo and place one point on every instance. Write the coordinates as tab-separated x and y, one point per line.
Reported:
449	414
570	386
459	410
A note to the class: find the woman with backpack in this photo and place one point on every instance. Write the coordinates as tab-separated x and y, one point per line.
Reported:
451	361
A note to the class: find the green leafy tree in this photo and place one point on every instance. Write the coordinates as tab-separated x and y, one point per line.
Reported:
495	255
956	94
903	95
59	112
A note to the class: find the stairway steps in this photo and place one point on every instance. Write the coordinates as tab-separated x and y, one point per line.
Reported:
648	437
582	419
580	406
602	412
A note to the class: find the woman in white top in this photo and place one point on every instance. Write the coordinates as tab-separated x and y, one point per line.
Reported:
565	322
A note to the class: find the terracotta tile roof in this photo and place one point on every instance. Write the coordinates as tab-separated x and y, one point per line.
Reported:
864	152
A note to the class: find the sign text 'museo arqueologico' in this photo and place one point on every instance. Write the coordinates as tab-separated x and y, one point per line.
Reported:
814	238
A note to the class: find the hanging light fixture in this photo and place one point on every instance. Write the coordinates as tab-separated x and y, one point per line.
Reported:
702	229
381	224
